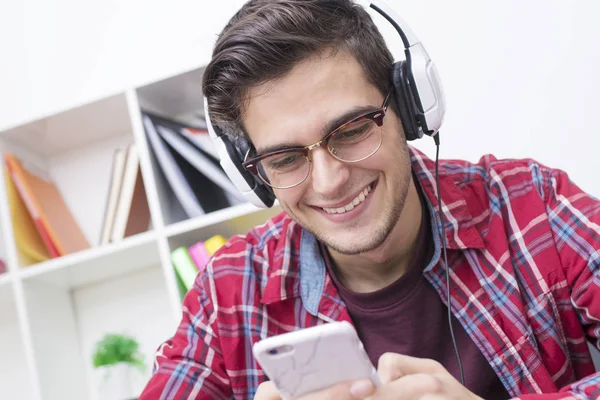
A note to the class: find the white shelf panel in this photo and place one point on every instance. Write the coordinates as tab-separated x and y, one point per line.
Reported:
239	220
14	373
73	128
6	299
56	348
220	216
4	280
97	264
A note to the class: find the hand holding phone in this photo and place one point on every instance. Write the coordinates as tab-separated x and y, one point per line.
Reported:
315	358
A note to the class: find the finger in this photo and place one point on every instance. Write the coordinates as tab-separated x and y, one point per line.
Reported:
267	391
434	397
362	388
351	390
392	366
414	386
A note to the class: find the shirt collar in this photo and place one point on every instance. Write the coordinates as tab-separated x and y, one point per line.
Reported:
302	272
459	229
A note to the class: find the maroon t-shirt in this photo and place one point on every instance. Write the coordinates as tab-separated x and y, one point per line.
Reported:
408	317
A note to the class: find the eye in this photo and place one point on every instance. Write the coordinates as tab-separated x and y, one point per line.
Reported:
355	132
283	161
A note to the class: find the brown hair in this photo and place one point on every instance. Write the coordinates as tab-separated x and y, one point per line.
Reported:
265	39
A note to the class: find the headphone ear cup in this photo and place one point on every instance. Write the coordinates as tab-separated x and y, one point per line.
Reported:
265	192
240	144
404	101
232	150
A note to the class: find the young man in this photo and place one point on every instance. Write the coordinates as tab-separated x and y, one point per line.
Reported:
360	239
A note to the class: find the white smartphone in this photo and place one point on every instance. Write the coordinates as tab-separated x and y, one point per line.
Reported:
315	358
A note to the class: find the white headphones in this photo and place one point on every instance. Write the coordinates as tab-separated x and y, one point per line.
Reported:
419	99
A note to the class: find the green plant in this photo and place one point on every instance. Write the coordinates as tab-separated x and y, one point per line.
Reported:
116	348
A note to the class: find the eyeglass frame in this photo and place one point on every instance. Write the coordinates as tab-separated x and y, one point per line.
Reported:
376	116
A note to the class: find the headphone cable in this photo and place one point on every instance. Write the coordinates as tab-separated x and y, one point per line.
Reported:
436	139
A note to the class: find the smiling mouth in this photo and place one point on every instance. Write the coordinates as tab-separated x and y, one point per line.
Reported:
353	203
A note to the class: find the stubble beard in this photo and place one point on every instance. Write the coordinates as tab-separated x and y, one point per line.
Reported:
378	235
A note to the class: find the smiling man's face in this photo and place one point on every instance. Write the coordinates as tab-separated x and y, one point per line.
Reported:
296	110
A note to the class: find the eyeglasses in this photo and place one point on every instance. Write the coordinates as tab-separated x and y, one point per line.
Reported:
354	141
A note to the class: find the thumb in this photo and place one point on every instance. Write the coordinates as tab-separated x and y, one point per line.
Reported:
392	366
267	391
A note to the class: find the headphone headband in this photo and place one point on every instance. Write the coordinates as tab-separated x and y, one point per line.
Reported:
408	37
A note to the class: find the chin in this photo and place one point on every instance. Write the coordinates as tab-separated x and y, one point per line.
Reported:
356	241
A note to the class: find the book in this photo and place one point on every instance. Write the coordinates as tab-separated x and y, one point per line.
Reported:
201	139
45	204
195	155
139	219
132	215
199	255
201	252
180	287
210	175
209	196
112	199
214	243
184	266
27	237
173	175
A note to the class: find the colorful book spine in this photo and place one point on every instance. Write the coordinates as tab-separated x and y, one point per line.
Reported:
184	266
199	255
16	174
214	243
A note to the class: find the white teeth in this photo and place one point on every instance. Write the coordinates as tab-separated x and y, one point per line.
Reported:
350	206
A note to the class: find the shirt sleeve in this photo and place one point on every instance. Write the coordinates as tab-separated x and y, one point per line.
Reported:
575	221
190	364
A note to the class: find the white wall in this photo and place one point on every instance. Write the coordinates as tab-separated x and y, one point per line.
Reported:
521	77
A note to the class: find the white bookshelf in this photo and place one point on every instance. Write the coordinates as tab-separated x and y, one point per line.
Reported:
53	312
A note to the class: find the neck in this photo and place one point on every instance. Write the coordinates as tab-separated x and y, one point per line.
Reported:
368	272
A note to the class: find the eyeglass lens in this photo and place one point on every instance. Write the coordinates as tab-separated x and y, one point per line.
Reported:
354	142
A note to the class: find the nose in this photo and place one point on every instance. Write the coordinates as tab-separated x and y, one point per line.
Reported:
328	175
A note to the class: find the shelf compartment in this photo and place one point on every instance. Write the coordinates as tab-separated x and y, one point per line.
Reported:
186	171
67	322
74	150
135	304
178	97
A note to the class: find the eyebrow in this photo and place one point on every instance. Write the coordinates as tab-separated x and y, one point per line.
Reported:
329	127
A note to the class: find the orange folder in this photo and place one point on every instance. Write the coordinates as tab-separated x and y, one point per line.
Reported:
27	235
54	221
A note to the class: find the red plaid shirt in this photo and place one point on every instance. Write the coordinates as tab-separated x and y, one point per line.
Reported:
524	255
